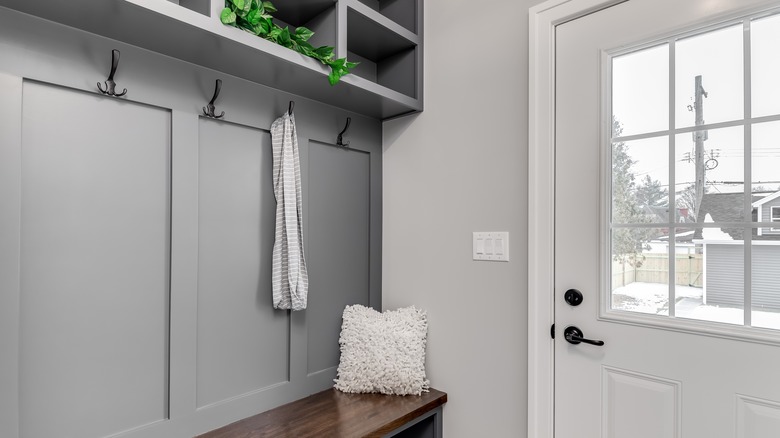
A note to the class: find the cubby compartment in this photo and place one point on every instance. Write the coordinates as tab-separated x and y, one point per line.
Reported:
200	6
318	16
403	12
424	429
385	57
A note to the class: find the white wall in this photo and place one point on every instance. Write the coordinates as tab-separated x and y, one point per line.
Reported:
459	167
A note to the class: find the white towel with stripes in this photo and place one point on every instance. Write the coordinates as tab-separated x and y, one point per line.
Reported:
289	277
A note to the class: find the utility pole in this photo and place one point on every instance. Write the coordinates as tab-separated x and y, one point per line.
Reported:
699	137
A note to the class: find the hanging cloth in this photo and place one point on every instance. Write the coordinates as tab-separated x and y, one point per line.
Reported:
289	277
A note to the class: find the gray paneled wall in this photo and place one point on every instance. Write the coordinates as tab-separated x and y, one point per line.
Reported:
135	296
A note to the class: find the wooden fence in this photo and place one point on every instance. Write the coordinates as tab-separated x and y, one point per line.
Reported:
655	269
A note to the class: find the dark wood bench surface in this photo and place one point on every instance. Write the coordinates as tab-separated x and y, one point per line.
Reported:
332	413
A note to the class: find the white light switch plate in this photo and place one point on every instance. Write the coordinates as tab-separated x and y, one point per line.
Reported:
491	246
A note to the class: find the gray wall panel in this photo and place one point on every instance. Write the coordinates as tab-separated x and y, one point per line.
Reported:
338	245
242	341
94	264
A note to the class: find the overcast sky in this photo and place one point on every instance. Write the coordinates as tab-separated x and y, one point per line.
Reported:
641	104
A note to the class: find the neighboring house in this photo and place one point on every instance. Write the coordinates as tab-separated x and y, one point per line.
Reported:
768	210
724	251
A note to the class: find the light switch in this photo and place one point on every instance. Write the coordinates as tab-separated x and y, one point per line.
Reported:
490	246
498	247
480	246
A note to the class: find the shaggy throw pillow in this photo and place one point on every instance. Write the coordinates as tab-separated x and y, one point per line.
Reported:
383	352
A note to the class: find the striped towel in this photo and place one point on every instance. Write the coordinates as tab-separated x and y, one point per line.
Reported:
290	279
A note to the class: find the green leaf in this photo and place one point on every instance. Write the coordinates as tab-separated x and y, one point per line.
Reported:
269	7
303	33
333	78
264	26
284	37
239	3
227	16
325	52
306	49
253	18
351	65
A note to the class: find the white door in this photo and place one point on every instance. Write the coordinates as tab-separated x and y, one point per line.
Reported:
635	232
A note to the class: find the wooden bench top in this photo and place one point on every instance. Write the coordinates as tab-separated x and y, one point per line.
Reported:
332	413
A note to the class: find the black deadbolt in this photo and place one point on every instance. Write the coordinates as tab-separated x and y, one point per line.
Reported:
573	297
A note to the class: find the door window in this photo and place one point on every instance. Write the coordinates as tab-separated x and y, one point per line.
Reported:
695	176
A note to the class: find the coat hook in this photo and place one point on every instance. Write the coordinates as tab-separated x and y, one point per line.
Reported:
290	109
110	84
210	111
340	138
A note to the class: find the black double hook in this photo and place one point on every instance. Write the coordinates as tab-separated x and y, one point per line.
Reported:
110	84
290	108
340	138
210	111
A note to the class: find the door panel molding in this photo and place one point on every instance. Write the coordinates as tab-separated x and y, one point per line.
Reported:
620	393
756	417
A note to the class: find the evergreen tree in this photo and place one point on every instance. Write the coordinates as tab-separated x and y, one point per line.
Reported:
649	193
628	198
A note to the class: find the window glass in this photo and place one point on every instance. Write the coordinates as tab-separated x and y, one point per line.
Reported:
720	196
640	91
765	296
765	163
765	65
716	58
640	181
710	275
640	270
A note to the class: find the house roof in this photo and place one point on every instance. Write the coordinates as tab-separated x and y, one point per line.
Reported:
729	207
766	199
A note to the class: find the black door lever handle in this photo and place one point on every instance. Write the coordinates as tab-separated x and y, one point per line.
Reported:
573	335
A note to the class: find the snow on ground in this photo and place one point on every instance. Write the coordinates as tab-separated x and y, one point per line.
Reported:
653	298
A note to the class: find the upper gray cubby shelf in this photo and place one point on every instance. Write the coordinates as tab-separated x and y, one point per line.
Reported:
384	35
403	12
386	57
199	6
300	12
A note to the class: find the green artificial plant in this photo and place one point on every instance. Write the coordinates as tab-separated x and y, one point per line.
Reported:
255	17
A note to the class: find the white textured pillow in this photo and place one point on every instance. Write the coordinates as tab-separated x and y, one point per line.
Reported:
383	352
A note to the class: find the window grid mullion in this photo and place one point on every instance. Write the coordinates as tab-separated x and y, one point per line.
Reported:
748	177
672	185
